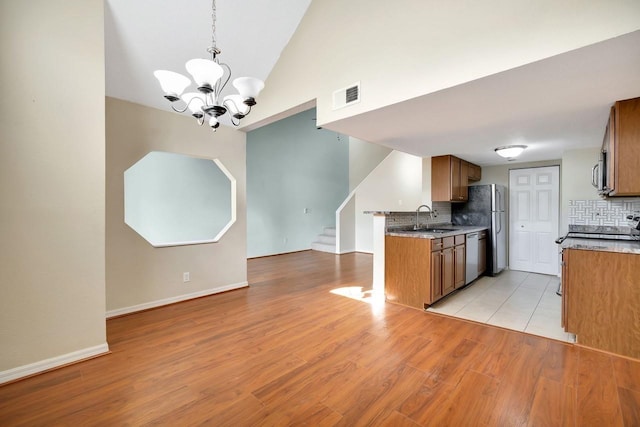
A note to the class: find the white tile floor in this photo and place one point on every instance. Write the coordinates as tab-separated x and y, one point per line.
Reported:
514	300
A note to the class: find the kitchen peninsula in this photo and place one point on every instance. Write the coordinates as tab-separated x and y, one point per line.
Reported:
417	263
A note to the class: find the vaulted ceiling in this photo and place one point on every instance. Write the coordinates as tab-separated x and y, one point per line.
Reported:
553	105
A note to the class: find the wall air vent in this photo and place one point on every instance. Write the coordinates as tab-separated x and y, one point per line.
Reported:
346	96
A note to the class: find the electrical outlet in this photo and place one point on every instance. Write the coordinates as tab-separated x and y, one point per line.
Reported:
186	277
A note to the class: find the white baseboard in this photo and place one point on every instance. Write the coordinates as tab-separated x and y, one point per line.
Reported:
54	362
171	300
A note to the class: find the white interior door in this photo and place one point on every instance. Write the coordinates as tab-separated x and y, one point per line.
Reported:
533	219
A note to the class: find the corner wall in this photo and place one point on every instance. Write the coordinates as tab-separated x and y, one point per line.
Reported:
138	275
52	153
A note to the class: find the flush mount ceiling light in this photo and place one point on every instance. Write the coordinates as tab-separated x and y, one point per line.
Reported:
211	76
510	151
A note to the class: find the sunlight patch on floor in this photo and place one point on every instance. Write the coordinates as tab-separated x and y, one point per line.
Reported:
369	296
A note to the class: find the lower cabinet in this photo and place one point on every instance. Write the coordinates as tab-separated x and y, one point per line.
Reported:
459	261
448	268
418	272
600	299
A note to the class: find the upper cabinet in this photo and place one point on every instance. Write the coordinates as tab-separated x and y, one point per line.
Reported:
450	178
475	172
621	146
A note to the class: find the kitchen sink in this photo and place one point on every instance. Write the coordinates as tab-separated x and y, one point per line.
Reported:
435	230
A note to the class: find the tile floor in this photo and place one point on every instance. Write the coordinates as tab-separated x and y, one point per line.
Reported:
514	300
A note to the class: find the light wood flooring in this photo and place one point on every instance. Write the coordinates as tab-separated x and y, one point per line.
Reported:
289	351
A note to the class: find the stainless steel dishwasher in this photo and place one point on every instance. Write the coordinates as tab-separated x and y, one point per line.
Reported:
471	270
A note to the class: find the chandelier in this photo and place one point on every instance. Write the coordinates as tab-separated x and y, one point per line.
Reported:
210	76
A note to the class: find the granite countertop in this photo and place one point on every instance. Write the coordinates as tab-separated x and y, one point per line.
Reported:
423	234
601	243
622	246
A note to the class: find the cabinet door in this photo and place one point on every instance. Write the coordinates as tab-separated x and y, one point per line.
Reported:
459	256
463	190
448	271
624	148
441	179
482	256
475	172
455	179
436	275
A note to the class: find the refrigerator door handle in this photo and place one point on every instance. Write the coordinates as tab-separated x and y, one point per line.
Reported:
499	220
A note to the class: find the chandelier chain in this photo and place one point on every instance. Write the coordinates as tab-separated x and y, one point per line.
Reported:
214	48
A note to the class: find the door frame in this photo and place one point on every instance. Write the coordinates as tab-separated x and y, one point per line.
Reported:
559	207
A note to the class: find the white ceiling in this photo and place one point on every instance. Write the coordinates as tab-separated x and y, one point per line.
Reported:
557	104
146	35
554	105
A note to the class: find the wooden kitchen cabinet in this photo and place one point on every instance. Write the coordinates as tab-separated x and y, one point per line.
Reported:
600	299
448	271
622	147
407	270
450	178
459	260
418	272
475	172
436	277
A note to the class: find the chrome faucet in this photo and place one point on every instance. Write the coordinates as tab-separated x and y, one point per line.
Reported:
431	212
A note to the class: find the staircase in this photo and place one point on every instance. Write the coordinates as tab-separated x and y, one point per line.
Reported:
326	242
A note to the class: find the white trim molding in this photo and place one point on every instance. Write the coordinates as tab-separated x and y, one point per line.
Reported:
172	300
54	362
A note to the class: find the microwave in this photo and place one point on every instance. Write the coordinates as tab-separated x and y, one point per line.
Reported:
599	175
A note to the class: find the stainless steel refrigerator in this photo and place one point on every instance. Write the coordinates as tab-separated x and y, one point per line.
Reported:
486	207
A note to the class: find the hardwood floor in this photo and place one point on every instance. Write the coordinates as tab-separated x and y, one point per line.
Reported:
289	351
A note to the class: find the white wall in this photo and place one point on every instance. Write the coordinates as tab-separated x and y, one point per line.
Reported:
410	48
363	158
52	179
138	275
576	180
395	185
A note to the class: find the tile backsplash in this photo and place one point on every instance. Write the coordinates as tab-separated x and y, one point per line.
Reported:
602	212
403	219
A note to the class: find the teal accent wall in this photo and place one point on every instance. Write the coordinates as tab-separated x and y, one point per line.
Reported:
292	166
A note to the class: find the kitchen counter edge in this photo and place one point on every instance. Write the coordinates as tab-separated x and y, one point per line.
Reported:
627	247
456	230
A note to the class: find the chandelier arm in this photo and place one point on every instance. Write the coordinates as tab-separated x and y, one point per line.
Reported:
219	84
178	110
235	106
201	120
